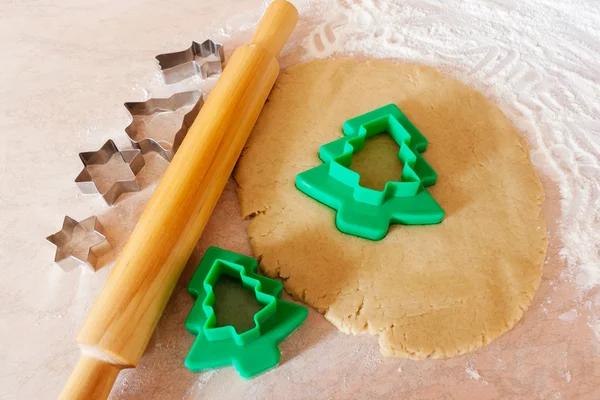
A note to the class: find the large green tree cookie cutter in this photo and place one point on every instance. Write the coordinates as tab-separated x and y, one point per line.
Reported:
367	212
255	350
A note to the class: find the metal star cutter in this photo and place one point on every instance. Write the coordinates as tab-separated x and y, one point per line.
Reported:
79	243
87	184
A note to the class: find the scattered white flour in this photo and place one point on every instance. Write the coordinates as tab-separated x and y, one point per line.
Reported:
568	316
472	372
550	93
373	359
355	351
500	364
205	377
568	376
594	324
345	384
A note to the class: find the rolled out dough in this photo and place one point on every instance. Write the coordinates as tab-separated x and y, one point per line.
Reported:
427	291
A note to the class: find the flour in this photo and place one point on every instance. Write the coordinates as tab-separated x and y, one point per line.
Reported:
568	376
594	324
473	373
206	377
548	92
568	316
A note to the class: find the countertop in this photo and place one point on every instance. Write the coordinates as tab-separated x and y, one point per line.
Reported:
68	67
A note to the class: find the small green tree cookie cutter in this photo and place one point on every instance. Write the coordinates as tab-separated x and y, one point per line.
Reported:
255	350
367	212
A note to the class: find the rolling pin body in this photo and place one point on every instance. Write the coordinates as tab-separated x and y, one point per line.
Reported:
124	316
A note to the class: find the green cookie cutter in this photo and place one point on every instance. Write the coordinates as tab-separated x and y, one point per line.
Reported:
366	212
251	352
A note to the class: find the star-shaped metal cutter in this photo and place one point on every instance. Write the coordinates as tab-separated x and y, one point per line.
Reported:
362	211
70	235
134	160
251	352
204	59
160	105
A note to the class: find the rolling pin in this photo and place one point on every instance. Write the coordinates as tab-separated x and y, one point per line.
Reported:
124	316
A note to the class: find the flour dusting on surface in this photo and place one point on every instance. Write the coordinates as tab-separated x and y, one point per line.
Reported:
568	316
568	376
594	324
473	373
206	377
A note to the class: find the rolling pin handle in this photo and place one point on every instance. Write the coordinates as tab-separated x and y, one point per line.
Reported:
275	27
92	378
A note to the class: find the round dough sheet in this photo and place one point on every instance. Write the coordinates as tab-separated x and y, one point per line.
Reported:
427	291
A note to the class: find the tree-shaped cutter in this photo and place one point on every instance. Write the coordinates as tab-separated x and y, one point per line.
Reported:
255	350
367	212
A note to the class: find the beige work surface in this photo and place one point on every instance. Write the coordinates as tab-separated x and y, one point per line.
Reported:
68	66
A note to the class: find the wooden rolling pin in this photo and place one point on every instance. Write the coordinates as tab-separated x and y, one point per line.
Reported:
122	320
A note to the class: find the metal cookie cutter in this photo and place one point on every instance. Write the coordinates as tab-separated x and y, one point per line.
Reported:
367	212
255	350
133	159
204	59
79	243
140	110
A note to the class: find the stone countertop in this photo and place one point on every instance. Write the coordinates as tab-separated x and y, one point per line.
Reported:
67	68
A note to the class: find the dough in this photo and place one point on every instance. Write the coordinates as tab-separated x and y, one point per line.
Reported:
428	291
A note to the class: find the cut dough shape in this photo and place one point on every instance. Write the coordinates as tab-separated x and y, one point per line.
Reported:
427	291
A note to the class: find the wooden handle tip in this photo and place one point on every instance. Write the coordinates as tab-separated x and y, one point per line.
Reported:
91	379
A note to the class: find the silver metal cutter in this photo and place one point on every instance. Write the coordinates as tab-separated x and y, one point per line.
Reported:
134	160
204	59
141	110
79	243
